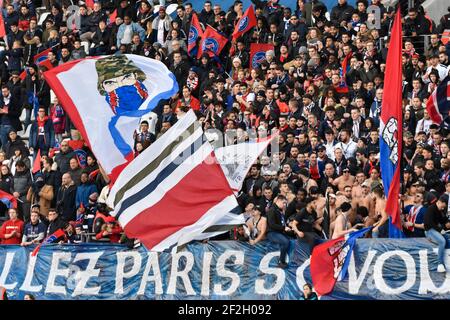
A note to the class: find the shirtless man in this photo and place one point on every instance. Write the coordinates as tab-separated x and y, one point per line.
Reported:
346	196
319	200
345	180
380	213
367	201
332	211
342	225
357	188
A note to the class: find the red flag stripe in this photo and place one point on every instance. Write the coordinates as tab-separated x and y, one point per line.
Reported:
37	162
180	206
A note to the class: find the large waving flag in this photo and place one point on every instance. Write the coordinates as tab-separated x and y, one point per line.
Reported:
391	128
236	160
106	96
330	260
245	23
212	42
195	32
438	105
258	53
172	191
8	199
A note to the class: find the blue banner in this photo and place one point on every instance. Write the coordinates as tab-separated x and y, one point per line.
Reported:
379	269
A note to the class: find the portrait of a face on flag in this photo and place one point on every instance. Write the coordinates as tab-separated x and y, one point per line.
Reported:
106	97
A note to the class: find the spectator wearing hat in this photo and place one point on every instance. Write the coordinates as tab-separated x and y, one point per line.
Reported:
161	26
435	221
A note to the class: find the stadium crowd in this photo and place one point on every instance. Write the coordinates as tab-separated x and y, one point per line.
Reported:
323	182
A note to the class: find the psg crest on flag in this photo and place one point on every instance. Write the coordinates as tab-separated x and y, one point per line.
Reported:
243	24
390	136
193	35
258	58
211	45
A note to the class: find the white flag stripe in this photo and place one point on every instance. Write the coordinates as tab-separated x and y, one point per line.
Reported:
175	177
144	182
236	160
188	233
151	153
229	219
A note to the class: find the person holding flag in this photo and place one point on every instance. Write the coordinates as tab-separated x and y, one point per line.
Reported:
244	24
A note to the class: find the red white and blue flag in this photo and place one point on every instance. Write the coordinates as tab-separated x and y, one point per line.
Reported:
195	32
245	23
106	107
161	197
41	59
8	199
258	53
50	239
391	128
330	261
438	104
212	42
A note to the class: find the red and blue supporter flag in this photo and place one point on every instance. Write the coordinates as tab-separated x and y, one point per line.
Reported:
245	23
391	129
50	239
330	260
81	157
212	42
438	105
258	53
41	59
195	32
8	199
346	64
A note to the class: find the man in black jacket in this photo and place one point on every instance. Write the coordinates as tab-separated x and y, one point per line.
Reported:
65	201
10	108
55	222
435	221
277	228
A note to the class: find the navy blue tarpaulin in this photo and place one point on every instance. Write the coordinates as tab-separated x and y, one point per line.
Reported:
379	269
